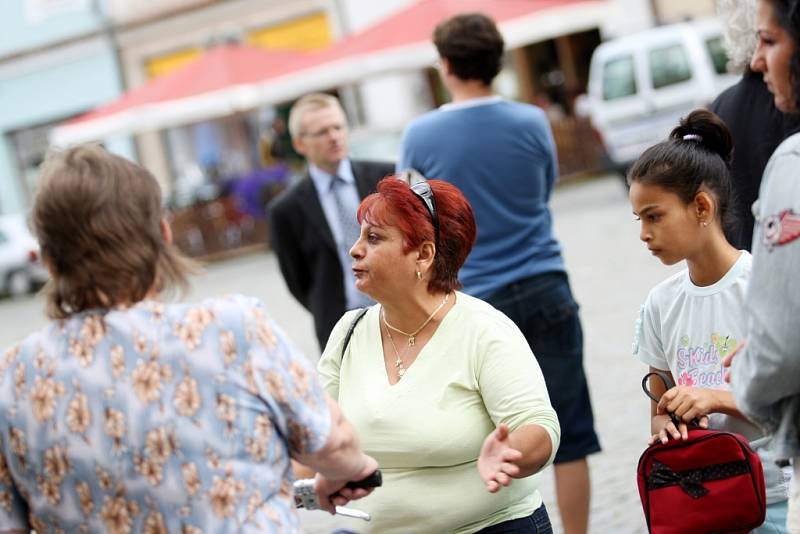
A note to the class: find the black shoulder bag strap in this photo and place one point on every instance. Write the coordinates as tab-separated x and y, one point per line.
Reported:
349	334
669	384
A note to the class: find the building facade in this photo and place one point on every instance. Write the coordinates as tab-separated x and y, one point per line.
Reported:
56	61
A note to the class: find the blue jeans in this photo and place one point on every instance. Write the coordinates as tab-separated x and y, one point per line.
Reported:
536	523
543	308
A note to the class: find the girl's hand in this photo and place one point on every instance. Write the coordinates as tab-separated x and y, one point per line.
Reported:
688	402
497	460
663	428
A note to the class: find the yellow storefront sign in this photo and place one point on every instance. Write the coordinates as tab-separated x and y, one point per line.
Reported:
304	33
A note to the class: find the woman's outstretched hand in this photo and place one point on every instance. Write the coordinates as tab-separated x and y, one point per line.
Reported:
497	463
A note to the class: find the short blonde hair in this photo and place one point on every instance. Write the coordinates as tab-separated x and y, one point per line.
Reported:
98	220
309	102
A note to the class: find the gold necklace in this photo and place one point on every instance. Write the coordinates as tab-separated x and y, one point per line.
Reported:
413	334
398	362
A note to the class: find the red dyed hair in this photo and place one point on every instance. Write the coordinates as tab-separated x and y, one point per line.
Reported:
394	204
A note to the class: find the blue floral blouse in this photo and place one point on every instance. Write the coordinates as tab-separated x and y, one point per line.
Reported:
156	418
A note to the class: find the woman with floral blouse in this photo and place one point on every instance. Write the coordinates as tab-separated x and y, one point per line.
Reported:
126	414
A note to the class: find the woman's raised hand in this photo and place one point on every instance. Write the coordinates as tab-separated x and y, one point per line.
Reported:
497	463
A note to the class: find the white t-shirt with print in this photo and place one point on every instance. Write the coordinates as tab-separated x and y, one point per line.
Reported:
688	330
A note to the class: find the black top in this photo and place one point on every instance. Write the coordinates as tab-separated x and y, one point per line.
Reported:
304	245
757	127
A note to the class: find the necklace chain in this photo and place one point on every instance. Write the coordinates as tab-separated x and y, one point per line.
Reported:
411	336
398	362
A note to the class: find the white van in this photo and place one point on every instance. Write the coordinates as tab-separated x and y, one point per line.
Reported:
640	85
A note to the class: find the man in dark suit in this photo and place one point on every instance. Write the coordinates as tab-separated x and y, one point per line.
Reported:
313	223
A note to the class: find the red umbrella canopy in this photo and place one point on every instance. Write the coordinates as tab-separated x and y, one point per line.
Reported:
216	69
231	78
415	24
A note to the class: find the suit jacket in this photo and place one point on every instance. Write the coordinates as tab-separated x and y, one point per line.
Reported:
306	251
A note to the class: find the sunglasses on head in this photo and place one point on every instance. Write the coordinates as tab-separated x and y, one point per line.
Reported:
422	189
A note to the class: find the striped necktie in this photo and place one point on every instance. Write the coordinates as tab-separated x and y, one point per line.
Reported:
347	218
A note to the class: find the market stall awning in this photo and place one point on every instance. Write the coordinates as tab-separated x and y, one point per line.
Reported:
402	41
234	78
221	81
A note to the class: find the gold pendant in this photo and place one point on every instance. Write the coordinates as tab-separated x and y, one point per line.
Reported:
411	341
401	372
398	363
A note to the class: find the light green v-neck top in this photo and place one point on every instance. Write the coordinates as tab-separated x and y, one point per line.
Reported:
426	431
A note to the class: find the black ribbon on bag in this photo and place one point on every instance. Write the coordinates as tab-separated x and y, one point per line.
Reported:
691	480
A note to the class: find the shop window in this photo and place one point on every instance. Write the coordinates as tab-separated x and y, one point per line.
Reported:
619	78
669	65
30	148
719	58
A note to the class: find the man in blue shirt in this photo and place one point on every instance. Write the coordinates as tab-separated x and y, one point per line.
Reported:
502	156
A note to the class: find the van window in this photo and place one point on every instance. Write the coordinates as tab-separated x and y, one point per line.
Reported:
669	65
718	56
619	78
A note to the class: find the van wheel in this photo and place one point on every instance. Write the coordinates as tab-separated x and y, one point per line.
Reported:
19	283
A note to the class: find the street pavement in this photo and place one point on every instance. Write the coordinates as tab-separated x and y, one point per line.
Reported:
611	273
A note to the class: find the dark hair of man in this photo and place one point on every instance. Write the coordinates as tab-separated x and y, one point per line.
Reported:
473	46
787	14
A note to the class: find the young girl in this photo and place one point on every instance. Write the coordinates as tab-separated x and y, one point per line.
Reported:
680	191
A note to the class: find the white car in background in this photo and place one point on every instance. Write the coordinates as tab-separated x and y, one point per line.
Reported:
640	85
21	271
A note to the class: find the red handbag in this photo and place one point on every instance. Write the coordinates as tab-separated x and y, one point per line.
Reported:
711	482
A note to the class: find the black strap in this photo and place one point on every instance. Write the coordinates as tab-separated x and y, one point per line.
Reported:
349	334
669	384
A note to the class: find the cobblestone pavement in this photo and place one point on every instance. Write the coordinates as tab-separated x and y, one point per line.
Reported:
610	271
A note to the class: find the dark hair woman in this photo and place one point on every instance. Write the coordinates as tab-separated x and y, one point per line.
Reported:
764	374
680	192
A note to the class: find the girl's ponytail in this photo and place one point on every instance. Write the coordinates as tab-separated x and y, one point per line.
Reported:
705	128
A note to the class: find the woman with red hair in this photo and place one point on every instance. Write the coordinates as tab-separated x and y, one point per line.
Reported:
443	388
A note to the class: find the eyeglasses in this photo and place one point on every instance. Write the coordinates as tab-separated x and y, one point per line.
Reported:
335	128
422	189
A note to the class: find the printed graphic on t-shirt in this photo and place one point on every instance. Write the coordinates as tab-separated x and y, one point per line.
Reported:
701	365
781	228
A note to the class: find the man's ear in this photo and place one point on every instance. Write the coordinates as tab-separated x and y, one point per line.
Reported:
299	146
445	66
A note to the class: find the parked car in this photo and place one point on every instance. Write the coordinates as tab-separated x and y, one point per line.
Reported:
21	270
640	85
